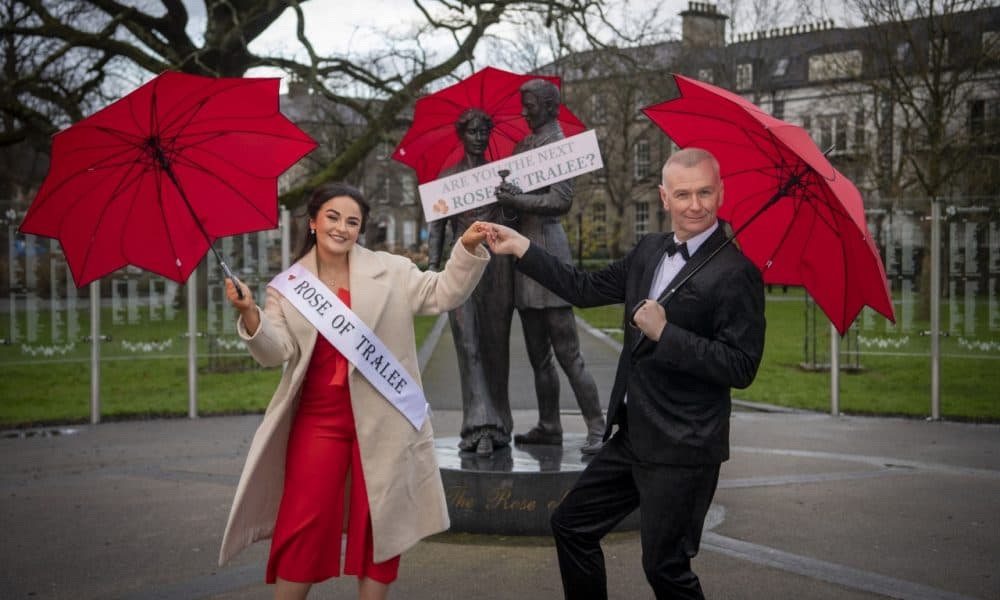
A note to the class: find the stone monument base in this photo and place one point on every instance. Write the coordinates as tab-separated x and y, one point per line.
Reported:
514	491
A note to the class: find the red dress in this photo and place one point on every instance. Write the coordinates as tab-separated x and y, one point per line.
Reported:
322	452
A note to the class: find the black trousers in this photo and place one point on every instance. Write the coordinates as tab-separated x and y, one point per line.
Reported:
674	500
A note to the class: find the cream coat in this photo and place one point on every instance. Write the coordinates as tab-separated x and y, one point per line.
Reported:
404	487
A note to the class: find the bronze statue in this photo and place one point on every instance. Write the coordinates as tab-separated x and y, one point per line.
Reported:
548	321
481	326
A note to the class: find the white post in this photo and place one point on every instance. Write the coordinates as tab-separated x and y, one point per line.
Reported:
192	335
286	238
95	351
935	292
834	371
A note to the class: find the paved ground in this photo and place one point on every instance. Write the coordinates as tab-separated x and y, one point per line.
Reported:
810	506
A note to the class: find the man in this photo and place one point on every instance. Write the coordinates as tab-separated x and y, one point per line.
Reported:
671	396
547	320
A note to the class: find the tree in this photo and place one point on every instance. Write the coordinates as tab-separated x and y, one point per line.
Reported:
931	60
616	84
65	58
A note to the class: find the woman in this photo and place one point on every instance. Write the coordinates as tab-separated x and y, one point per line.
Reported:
327	427
481	326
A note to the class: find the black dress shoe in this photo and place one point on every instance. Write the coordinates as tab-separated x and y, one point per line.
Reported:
537	435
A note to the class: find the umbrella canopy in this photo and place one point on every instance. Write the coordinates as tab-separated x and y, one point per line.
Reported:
154	178
810	225
431	144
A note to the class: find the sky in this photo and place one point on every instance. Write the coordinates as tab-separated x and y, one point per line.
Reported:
334	25
356	27
353	26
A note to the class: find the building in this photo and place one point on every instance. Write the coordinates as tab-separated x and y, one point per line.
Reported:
396	220
907	109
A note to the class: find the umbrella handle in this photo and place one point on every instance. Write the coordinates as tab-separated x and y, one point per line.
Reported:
236	282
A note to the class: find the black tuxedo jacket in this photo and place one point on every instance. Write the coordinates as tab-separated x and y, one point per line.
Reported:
678	388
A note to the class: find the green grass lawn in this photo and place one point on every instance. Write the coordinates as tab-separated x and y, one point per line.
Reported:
36	391
58	391
884	385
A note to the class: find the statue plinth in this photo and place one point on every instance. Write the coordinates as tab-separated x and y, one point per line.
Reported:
513	491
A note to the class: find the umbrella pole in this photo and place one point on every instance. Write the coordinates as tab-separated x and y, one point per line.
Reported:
225	268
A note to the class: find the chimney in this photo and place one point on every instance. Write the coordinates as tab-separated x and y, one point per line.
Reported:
297	87
702	26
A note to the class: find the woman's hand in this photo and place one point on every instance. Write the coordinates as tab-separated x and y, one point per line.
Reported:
475	235
504	240
241	305
246	306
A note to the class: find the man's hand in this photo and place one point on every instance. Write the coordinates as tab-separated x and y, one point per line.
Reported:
506	192
651	318
504	240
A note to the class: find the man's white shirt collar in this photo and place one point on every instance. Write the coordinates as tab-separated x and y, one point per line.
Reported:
694	243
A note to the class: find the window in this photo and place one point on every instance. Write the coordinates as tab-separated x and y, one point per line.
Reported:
781	67
977	118
902	51
778	109
409	233
984	124
938	52
640	100
640	160
825	124
859	129
832	132
840	133
835	65
705	75
991	44
598	221
598	108
641	219
744	76
407	189
984	118
386	195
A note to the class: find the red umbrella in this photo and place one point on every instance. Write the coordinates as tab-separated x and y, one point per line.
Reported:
811	228
431	144
153	179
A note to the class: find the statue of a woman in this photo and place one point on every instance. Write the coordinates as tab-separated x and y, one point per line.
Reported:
481	326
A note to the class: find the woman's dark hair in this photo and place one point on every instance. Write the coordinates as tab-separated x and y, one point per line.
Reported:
467	116
320	196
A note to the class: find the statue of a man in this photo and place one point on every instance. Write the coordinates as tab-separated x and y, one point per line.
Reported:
481	326
548	321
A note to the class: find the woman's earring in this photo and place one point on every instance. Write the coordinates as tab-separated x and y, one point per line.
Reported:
312	232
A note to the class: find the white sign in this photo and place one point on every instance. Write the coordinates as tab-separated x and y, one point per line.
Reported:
354	339
529	170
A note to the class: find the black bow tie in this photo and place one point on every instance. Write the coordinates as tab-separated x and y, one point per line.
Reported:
673	248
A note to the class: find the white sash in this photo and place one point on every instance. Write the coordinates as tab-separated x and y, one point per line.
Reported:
356	341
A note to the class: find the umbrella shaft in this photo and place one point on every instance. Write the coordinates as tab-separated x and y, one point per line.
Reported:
194	216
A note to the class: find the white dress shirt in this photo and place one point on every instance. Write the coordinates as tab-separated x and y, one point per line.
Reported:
670	266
